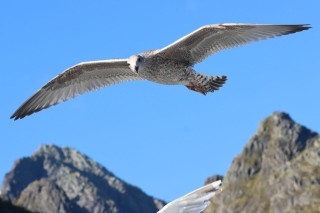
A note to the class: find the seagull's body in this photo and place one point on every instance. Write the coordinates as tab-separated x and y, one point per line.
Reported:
193	202
172	65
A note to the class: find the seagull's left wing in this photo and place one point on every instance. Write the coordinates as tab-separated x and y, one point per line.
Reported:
193	202
81	78
210	39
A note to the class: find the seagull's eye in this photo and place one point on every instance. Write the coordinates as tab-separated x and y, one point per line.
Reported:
139	59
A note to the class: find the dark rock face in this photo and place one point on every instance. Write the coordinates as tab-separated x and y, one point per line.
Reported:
7	207
62	180
213	178
278	171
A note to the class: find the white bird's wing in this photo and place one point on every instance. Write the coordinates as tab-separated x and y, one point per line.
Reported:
193	202
209	39
81	78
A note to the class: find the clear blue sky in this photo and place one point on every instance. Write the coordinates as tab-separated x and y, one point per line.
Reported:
164	139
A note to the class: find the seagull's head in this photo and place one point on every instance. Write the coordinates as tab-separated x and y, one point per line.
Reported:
135	61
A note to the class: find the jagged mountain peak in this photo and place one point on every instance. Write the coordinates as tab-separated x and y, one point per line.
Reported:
281	125
70	157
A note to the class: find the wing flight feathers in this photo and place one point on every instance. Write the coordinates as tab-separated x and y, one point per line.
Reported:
210	39
81	78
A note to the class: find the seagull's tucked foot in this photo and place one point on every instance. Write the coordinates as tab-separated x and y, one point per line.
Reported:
204	83
197	89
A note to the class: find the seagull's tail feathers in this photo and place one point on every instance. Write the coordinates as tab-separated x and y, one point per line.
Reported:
206	83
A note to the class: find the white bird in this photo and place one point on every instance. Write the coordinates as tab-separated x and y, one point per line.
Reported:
193	202
171	65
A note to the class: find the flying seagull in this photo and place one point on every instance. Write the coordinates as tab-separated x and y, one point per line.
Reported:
194	202
171	65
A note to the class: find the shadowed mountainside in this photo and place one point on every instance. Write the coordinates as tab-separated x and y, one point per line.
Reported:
7	207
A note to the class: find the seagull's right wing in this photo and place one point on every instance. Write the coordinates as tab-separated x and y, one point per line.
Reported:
81	78
194	202
209	39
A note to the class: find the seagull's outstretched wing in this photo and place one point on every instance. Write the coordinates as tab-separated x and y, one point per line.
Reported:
81	78
210	39
194	202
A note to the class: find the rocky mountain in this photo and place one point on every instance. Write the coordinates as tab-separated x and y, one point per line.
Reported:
62	180
278	171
